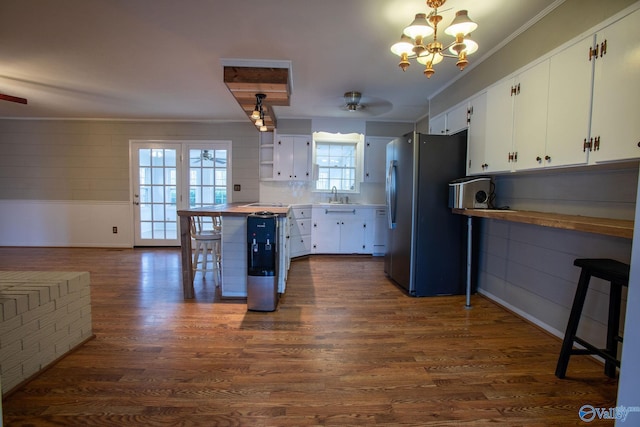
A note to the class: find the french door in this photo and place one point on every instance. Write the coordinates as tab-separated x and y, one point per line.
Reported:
172	175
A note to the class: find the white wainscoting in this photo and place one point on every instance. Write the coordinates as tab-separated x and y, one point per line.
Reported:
65	223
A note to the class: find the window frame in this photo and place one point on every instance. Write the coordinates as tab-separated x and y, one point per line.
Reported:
326	138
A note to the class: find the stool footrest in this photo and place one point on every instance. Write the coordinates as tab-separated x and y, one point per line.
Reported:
591	349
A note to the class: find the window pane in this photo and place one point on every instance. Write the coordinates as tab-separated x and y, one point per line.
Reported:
144	157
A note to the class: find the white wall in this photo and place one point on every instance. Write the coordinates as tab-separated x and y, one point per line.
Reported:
628	385
65	223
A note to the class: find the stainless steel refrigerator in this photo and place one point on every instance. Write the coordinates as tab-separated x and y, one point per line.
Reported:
425	247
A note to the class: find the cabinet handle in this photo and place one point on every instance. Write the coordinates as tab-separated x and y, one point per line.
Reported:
547	158
603	48
596	144
538	159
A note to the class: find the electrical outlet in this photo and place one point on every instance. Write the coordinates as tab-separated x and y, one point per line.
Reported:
236	187
115	230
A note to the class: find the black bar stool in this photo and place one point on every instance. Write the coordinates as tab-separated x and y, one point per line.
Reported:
617	273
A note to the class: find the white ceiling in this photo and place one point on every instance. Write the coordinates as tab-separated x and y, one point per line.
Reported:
161	59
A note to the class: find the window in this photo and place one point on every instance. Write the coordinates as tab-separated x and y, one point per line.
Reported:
337	159
207	177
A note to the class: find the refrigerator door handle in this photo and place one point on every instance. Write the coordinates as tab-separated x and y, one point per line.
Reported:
391	193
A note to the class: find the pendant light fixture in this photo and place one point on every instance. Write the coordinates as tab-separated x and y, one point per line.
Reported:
420	41
258	113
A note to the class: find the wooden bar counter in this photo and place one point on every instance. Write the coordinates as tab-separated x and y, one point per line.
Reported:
607	226
233	243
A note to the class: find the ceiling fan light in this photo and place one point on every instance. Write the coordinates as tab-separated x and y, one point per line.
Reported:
352	98
419	27
461	24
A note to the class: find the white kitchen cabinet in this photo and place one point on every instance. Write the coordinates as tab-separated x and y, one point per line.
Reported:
516	120
457	119
449	122
615	127
569	104
300	223
342	229
476	135
292	158
530	118
499	137
438	124
375	149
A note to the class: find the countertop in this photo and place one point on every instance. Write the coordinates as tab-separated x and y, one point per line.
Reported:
606	226
234	209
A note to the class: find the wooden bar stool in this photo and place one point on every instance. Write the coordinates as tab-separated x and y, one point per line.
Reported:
207	243
615	272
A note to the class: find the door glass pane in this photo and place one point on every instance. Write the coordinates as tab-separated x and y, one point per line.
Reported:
157	192
207	177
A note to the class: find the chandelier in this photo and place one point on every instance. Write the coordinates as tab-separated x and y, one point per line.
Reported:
258	112
416	41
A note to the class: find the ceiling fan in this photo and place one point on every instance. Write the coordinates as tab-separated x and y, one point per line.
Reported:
13	98
355	102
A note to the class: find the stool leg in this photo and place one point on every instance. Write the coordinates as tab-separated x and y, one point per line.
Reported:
572	325
615	297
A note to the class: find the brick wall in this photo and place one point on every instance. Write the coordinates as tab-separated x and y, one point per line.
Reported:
43	315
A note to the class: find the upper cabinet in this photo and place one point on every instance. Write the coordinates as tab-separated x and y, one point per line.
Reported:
570	75
477	135
516	120
530	94
577	106
375	149
292	158
615	127
450	122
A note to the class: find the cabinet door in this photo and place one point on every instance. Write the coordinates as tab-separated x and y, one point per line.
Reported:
499	127
457	119
438	124
283	158
374	159
616	88
476	135
352	234
325	234
569	104
301	158
530	117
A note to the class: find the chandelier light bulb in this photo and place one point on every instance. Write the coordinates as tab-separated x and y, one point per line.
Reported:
259	122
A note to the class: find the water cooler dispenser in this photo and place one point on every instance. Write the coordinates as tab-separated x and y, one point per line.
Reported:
262	259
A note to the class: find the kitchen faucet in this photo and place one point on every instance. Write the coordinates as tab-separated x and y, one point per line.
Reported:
334	192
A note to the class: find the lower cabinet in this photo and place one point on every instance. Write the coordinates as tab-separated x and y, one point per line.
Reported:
342	230
300	230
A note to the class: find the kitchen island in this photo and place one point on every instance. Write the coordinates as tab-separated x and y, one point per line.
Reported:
233	245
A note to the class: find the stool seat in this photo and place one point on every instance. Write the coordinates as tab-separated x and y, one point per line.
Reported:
606	269
617	274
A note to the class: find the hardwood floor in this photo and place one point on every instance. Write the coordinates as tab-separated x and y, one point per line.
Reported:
345	347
